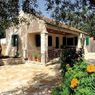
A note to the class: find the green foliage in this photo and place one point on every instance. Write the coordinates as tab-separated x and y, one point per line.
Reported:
56	91
69	57
30	6
8	12
2	33
79	13
86	81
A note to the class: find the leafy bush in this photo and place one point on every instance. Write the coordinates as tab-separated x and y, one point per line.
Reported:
70	57
78	80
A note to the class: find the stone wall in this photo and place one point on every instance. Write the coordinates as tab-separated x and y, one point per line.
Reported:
29	25
91	47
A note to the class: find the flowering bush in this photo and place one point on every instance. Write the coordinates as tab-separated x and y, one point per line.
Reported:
91	68
69	57
74	83
78	80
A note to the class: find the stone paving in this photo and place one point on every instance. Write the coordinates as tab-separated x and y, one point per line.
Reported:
90	57
29	79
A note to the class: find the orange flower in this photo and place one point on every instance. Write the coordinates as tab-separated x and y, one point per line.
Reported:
91	68
74	83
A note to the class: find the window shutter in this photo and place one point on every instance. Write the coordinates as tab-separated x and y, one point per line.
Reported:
14	40
87	40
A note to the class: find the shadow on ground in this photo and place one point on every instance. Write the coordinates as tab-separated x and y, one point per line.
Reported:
1	62
41	83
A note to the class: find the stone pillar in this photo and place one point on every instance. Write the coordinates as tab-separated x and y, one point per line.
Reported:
44	47
85	47
79	41
25	52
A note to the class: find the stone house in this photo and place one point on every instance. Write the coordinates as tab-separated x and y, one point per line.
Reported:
41	38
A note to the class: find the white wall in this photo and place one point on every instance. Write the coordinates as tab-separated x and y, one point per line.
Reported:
3	41
91	47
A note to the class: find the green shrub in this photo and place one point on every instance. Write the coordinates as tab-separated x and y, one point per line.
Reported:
70	57
84	73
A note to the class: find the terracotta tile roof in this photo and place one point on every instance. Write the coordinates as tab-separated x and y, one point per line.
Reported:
61	25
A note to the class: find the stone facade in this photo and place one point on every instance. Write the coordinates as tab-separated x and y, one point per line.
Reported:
27	29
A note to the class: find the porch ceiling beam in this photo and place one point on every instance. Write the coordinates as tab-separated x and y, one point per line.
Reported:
53	31
64	27
62	30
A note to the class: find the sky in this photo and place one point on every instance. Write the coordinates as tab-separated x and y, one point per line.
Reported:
42	7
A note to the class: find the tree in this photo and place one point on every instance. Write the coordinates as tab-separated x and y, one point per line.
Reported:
8	14
10	10
92	2
77	13
30	6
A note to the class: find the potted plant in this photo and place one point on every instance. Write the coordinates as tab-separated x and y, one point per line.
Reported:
39	57
34	57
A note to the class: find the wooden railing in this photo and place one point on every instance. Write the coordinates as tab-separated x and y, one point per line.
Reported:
54	53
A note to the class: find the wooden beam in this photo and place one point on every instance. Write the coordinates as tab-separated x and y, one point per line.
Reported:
53	31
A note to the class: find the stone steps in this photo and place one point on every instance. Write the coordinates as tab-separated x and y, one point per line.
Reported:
11	61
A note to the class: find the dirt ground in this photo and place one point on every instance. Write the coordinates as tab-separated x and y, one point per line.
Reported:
29	79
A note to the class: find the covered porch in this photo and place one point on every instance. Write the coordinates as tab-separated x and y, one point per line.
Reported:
47	45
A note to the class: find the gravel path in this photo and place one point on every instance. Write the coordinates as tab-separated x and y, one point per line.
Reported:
28	79
90	57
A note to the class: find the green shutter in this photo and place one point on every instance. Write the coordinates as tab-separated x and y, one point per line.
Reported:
14	40
87	40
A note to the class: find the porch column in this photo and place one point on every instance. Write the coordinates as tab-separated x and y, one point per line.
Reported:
79	42
25	52
44	47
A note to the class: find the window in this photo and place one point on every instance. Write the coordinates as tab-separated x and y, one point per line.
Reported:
38	41
14	40
49	40
70	41
64	41
76	41
87	40
57	42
